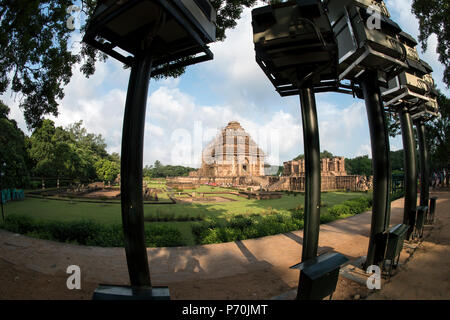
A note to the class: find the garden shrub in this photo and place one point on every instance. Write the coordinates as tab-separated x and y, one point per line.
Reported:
108	236
240	222
169	217
40	234
162	236
350	207
356	207
327	217
202	229
298	212
19	224
338	209
211	237
397	195
91	233
78	231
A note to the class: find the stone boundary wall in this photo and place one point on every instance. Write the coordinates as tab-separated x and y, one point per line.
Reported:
271	183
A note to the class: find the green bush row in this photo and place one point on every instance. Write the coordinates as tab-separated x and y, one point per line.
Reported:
397	194
90	233
242	227
245	227
350	207
172	217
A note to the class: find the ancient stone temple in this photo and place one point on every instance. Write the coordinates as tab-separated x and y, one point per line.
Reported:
232	153
328	167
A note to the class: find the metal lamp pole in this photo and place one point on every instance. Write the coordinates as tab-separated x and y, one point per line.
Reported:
312	182
2	173
409	149
380	162
424	166
131	171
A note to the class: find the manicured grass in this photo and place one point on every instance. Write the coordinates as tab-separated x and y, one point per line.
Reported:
64	211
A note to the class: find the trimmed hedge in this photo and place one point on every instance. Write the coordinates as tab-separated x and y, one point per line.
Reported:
171	217
397	195
242	227
90	233
350	207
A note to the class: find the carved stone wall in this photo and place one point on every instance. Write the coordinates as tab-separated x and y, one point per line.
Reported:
328	167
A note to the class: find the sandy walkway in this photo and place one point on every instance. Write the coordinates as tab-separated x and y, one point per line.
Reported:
249	269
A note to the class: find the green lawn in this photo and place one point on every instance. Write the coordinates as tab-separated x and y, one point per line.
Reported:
44	209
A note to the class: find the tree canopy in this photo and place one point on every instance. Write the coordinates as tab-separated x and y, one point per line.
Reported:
434	18
362	165
71	153
438	135
12	152
158	170
324	154
36	60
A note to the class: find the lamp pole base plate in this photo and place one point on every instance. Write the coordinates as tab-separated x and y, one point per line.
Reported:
112	292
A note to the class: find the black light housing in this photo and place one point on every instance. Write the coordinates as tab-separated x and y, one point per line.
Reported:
362	48
412	86
181	28
294	42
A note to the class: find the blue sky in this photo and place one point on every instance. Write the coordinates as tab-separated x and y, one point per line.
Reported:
183	114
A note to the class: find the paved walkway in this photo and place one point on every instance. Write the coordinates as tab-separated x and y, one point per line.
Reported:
249	269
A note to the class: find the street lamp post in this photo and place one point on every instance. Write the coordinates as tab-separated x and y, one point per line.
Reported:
380	164
371	55
409	147
160	36
2	173
296	48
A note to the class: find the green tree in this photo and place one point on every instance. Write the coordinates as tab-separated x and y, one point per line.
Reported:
397	165
34	55
434	18
12	152
438	135
359	166
107	170
37	61
115	157
89	141
160	171
324	154
42	150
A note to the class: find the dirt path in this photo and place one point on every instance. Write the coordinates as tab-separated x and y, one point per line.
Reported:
249	269
426	275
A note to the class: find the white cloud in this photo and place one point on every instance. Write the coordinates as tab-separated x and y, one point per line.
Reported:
364	149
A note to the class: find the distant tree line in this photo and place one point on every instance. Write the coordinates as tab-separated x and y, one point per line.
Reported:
157	170
53	152
362	165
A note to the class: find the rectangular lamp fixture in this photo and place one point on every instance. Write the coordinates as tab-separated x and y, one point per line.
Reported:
362	43
294	42
180	30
